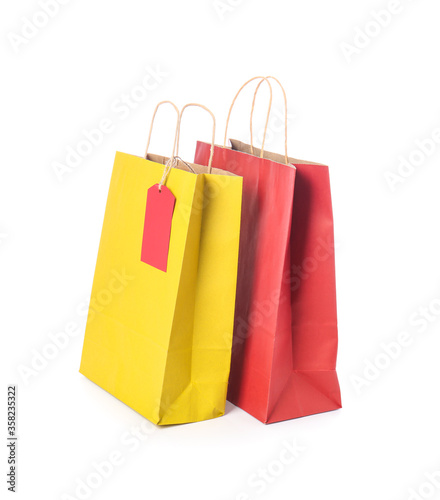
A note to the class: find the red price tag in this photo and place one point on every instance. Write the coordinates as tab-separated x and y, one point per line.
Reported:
157	227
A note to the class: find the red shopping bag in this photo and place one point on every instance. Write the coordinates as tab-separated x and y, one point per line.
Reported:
285	333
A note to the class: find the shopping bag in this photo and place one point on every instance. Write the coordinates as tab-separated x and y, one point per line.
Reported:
285	331
159	329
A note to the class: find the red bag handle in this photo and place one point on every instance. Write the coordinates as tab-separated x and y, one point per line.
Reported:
265	128
262	78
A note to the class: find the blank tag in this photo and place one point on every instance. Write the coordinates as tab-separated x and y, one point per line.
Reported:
157	227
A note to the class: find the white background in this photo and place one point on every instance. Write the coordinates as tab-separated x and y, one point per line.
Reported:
358	114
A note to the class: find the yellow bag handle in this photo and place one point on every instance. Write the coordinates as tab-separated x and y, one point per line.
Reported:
213	130
152	122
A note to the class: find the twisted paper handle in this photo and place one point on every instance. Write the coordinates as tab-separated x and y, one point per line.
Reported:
213	130
262	78
265	129
171	162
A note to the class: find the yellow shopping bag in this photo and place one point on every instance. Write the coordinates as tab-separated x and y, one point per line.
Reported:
160	340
